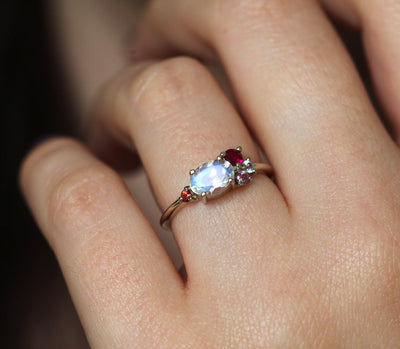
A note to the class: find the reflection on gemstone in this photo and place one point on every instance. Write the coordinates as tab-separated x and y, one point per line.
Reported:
186	195
242	178
248	165
234	156
212	178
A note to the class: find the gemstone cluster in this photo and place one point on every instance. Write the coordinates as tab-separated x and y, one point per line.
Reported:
216	177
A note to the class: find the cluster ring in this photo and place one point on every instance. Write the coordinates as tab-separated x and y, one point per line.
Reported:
215	178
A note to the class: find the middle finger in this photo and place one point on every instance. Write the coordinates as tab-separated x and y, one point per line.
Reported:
296	85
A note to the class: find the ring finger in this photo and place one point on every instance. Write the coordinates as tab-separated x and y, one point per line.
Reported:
178	118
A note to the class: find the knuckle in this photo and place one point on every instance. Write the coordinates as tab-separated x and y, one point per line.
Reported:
255	13
155	90
248	9
81	198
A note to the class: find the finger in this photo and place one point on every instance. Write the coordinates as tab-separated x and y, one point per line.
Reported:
178	118
120	277
382	42
343	10
297	89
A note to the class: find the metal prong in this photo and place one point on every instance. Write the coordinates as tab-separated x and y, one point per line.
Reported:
239	148
232	182
248	159
192	172
204	197
222	155
219	158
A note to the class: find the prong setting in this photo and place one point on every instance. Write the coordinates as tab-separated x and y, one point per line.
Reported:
215	178
186	194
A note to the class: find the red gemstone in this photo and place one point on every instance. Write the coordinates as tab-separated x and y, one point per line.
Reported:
186	195
233	156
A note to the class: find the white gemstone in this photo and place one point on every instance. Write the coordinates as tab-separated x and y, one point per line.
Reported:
212	178
248	165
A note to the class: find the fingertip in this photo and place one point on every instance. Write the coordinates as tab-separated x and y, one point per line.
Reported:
36	153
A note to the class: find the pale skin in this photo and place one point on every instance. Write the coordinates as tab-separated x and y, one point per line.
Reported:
311	260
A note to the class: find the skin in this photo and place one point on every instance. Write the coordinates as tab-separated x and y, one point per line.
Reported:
311	260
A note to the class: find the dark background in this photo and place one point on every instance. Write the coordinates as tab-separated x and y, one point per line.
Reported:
34	105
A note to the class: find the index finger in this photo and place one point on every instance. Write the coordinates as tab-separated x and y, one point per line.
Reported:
119	275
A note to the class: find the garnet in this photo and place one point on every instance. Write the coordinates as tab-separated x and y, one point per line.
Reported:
242	178
186	195
234	156
212	178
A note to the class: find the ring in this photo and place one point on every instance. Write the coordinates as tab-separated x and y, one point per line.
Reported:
215	178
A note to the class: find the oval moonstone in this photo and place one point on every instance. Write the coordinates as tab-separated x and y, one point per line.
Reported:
212	178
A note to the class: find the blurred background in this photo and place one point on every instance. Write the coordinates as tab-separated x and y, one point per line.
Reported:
55	54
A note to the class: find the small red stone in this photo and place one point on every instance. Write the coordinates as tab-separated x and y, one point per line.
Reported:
186	195
234	156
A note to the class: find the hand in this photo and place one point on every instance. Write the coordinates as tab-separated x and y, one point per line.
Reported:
311	260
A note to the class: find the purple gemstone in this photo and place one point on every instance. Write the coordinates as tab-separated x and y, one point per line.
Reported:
242	178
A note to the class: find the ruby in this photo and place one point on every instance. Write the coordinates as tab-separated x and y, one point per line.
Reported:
186	195
234	156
